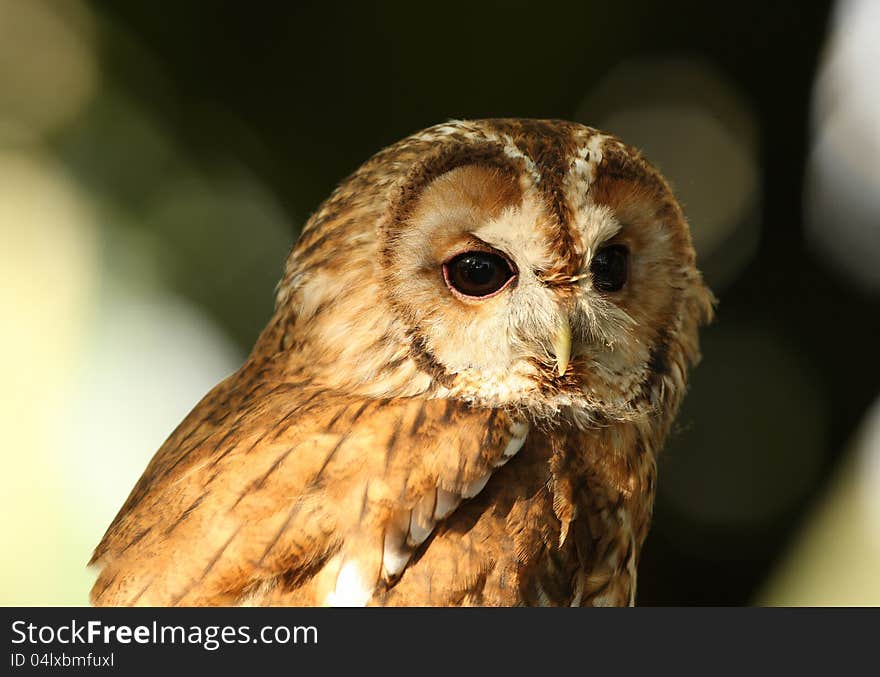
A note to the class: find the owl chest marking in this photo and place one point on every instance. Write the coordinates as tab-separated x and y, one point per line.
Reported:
377	560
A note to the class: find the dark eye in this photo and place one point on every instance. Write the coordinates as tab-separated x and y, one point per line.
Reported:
477	274
610	268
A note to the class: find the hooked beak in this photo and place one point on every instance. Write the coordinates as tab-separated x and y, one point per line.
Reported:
562	345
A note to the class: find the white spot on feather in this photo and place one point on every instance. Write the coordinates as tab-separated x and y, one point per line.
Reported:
418	533
395	555
446	503
473	488
519	430
351	587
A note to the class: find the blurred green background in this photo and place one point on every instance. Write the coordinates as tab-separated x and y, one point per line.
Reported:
158	159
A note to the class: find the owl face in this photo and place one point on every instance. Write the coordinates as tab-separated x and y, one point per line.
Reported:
538	265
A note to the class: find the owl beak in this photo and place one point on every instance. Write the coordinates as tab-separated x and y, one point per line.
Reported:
562	345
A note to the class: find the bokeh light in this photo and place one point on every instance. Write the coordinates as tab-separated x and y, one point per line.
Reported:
749	382
835	557
114	244
690	121
47	65
842	193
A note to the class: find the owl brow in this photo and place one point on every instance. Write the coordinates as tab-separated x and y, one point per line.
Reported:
448	158
556	278
551	152
472	242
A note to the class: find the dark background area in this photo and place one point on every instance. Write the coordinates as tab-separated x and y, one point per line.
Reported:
301	95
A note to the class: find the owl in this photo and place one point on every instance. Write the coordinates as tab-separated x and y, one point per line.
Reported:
479	343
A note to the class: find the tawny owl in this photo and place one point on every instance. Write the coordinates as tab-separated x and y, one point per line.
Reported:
479	344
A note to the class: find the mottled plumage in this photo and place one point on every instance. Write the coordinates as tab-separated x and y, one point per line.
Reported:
394	441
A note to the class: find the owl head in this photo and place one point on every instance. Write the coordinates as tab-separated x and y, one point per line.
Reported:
527	264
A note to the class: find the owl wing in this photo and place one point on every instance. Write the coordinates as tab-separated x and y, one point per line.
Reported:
268	486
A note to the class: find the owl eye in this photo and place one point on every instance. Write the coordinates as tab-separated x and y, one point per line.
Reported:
477	274
609	268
